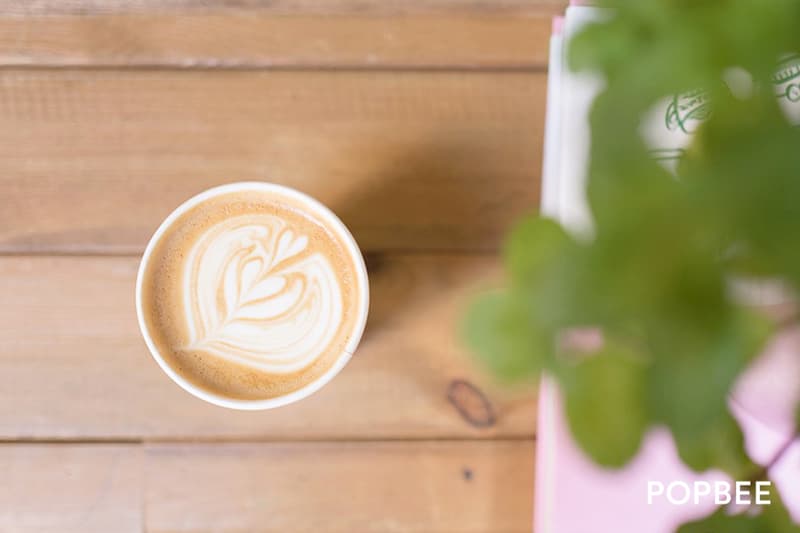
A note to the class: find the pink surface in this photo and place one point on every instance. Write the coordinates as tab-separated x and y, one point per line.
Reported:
572	494
558	25
575	496
588	499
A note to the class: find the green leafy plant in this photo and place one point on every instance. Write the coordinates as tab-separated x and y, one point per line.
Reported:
655	275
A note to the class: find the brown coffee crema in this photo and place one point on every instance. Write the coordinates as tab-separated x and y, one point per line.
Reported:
249	296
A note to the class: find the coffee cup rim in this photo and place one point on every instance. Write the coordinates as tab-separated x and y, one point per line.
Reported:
333	222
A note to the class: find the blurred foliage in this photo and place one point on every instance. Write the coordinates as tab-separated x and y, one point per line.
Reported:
655	274
772	519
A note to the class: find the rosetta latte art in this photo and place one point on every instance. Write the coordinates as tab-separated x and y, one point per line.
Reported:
256	295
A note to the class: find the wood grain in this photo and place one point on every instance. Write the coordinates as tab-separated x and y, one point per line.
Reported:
74	365
256	40
396	7
411	487
418	121
92	161
71	489
470	486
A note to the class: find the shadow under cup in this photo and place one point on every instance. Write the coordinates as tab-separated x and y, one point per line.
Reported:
355	310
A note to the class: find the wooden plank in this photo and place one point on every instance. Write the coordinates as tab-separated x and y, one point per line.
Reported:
92	161
74	365
411	487
470	486
257	40
74	488
82	7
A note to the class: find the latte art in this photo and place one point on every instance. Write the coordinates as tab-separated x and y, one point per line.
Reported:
252	295
257	296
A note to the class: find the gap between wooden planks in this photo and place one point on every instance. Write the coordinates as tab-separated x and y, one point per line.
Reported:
91	161
74	365
477	486
255	39
329	7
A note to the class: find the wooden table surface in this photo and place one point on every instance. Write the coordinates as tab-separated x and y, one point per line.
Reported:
418	121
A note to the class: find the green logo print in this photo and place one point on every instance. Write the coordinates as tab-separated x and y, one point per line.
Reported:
687	109
787	79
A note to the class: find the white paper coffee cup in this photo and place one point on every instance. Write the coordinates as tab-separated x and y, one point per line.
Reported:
332	223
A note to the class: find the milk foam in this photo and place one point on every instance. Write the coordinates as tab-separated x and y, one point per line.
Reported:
251	294
255	294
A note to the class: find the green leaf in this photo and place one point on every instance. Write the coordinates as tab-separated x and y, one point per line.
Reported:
499	330
545	267
605	404
688	385
772	518
533	246
743	173
719	445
